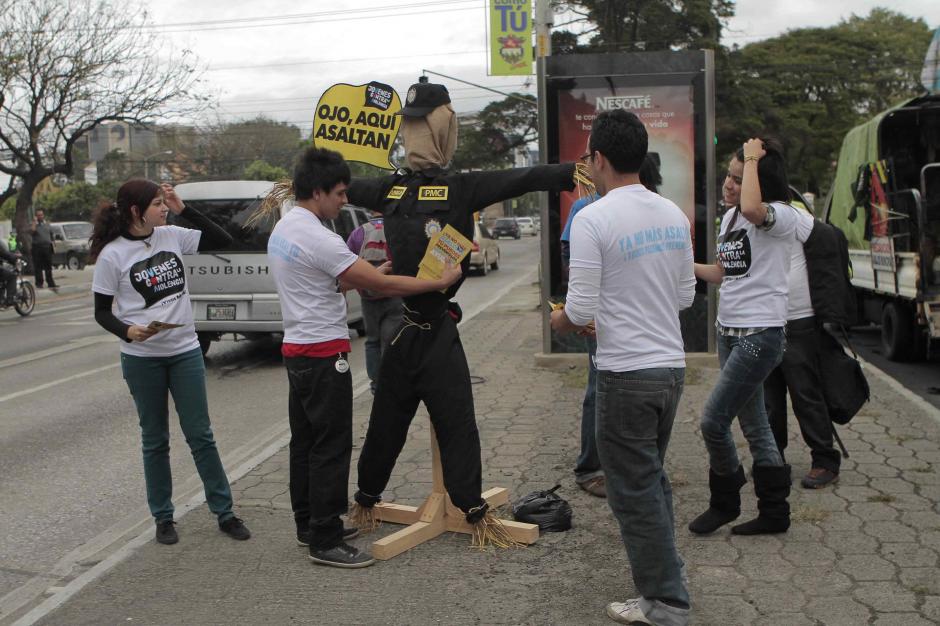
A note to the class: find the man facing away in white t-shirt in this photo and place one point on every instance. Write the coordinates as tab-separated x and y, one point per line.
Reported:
312	268
632	272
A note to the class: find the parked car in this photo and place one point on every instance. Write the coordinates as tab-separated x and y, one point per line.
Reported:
527	226
232	290
70	244
484	256
506	227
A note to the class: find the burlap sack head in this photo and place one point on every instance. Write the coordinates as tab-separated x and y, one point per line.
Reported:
430	141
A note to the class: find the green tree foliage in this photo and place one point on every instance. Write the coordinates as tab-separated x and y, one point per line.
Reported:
115	167
635	25
75	201
489	139
811	85
70	66
262	170
225	150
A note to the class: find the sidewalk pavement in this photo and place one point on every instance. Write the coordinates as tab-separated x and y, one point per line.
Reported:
70	283
862	552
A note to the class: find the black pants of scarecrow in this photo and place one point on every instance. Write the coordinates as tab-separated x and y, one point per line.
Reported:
425	363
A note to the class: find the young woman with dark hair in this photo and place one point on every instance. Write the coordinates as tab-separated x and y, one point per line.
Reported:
139	274
753	263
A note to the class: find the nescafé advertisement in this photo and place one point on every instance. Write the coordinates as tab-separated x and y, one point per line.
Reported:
359	122
665	110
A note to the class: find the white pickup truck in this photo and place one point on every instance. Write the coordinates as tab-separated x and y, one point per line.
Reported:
232	290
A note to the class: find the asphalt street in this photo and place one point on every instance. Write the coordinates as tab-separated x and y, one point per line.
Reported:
922	377
71	481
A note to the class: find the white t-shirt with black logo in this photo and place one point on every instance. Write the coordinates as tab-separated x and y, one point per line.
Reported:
149	284
306	259
756	261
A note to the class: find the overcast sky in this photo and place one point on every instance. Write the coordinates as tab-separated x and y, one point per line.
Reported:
260	63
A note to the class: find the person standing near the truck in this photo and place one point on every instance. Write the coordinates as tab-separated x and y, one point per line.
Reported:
140	283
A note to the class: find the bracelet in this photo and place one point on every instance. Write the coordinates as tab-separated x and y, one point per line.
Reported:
751	158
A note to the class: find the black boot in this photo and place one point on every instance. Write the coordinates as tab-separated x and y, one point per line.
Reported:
724	505
772	486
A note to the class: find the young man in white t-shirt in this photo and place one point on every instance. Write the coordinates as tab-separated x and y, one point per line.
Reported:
632	272
312	267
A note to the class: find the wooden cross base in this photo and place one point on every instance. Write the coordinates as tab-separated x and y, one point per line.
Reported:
438	515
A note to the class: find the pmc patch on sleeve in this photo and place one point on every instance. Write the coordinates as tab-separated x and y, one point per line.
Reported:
396	193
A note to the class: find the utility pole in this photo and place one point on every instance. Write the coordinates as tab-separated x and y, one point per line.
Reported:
544	19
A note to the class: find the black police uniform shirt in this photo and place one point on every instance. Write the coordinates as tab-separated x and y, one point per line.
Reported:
416	205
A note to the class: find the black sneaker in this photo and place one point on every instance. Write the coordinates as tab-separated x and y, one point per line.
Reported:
166	534
303	536
235	528
343	555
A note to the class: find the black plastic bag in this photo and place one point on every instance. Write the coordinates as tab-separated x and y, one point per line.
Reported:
545	508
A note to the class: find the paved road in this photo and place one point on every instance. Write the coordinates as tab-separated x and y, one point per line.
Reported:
71	482
922	377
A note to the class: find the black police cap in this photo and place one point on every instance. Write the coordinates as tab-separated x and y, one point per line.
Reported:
423	98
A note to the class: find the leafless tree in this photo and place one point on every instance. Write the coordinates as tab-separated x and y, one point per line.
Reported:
67	66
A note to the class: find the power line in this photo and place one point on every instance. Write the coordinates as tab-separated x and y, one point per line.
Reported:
294	16
394	14
361	59
317	96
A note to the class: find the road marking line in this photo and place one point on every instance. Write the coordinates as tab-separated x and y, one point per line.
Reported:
269	448
75	344
271	441
26	392
59	310
496	297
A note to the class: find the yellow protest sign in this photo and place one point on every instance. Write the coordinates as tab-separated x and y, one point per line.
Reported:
359	122
510	37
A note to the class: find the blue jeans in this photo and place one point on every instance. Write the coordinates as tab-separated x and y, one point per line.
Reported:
151	380
745	363
382	319
589	463
635	413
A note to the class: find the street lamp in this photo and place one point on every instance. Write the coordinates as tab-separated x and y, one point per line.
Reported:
150	156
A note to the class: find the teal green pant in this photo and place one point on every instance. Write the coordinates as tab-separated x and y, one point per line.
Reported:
151	380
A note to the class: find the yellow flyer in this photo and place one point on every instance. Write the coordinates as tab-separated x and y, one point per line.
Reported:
446	246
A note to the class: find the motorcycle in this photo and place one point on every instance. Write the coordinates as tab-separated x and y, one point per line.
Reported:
24	301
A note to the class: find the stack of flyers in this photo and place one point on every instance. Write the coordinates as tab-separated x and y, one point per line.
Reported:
158	325
447	246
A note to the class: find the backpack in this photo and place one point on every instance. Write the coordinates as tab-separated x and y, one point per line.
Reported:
828	270
374	250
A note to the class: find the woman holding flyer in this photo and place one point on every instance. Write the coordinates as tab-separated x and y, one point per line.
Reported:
140	273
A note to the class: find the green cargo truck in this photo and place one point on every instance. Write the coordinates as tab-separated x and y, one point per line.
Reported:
886	198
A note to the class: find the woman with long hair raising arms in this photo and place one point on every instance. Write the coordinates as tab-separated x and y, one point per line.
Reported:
140	275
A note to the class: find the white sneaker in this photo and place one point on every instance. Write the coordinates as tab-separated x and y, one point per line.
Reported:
628	612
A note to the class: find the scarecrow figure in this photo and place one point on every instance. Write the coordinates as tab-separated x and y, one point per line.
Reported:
426	362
